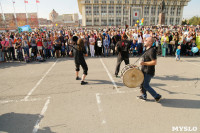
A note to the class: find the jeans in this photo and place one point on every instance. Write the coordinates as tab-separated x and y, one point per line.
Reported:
106	50
26	51
92	50
163	50
1	55
146	87
178	57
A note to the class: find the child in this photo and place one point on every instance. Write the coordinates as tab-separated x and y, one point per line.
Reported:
178	53
39	58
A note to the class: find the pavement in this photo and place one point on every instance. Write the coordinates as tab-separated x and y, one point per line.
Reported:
46	98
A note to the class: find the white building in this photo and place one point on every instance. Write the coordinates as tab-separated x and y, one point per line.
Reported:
127	12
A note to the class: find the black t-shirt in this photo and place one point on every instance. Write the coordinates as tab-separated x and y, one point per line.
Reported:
123	47
78	55
149	56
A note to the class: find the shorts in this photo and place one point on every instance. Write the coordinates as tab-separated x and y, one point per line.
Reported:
39	47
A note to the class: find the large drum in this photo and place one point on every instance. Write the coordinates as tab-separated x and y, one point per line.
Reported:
132	76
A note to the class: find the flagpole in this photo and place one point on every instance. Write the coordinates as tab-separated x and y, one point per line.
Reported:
26	12
15	13
3	16
38	15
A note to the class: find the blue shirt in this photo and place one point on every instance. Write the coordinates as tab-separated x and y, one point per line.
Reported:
178	52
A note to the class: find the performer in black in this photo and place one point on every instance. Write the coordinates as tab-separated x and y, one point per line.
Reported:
122	47
79	51
148	69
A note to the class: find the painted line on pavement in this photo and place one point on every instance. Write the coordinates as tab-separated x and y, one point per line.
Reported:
109	75
21	100
37	124
38	83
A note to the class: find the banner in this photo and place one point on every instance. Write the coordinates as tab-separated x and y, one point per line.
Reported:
10	20
24	28
33	19
136	14
198	41
21	19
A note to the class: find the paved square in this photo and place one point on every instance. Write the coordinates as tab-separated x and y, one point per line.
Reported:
45	97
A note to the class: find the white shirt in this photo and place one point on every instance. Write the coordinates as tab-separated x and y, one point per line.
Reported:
145	36
140	39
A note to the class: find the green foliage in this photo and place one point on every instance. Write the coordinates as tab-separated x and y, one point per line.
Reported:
194	20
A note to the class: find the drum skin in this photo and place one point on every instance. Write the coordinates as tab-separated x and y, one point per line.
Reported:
133	77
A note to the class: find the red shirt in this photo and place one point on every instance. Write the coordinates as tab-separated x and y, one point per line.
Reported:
39	41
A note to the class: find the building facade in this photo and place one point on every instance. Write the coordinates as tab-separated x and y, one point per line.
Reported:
127	12
64	19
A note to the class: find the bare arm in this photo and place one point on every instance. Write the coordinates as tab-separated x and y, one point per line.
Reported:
149	63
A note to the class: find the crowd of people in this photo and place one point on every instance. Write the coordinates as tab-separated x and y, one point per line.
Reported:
40	45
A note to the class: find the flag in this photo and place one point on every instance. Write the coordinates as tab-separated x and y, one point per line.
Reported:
25	1
136	14
37	1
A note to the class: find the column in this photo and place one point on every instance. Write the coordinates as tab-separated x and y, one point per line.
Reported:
149	15
115	16
175	16
107	16
92	15
156	19
99	14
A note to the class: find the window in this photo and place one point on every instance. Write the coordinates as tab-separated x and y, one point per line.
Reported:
103	9
171	21
96	1
96	21
177	21
112	1
103	1
133	1
111	9
153	19
96	9
172	10
148	1
103	21
88	21
118	21
88	10
119	1
118	10
178	13
146	10
126	10
126	1
111	21
166	10
166	21
87	1
153	10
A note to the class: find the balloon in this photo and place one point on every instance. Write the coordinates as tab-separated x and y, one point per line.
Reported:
135	25
194	50
56	24
141	23
138	21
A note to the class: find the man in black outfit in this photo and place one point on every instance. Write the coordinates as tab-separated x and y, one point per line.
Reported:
148	69
122	47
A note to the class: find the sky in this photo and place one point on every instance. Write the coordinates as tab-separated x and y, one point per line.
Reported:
71	6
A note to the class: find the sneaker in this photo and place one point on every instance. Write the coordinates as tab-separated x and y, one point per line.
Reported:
158	98
84	83
141	98
78	78
117	76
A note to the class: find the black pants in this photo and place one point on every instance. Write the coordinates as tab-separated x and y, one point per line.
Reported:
119	61
99	51
11	50
83	65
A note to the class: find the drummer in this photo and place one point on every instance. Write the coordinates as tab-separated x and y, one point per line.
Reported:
148	69
122	47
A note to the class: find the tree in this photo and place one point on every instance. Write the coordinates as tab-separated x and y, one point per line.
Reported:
194	20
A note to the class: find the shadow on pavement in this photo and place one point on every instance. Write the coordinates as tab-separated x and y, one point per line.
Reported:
20	123
174	78
103	82
180	103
